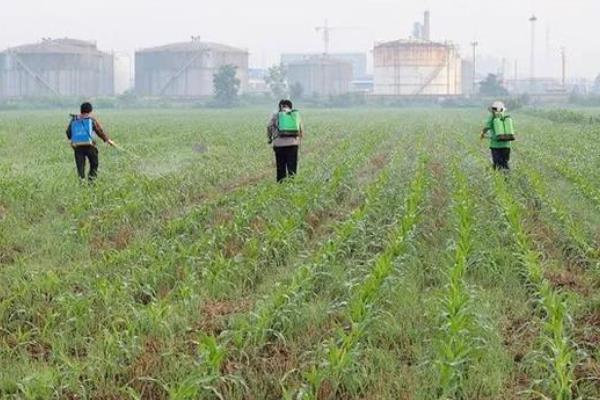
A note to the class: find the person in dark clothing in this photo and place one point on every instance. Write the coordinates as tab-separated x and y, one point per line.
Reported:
287	161
285	132
80	133
500	158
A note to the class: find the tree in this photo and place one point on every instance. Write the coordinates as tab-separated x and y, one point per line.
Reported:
277	81
296	91
226	85
492	86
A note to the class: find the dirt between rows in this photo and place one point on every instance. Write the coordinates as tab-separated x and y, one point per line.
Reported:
214	314
587	336
519	336
9	254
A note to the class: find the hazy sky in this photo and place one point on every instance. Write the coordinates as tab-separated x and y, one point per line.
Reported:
267	27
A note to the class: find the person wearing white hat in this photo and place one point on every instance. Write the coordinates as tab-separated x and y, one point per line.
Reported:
499	129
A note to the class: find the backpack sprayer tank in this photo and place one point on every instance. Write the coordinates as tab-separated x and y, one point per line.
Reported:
81	131
504	128
288	123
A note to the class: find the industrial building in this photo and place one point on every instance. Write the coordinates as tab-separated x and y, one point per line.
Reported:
56	67
417	66
321	76
186	69
358	61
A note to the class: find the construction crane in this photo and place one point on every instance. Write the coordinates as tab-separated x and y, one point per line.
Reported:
326	29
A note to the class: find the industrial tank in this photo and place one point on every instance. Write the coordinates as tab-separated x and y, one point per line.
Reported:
417	68
358	61
56	67
186	69
321	75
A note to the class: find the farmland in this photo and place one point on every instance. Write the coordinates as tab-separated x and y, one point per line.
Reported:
397	265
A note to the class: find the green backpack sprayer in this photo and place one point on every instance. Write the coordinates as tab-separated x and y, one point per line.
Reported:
288	123
504	128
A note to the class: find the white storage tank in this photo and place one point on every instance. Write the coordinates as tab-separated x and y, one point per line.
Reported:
417	68
186	69
56	67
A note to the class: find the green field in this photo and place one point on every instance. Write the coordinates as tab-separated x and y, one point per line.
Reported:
397	265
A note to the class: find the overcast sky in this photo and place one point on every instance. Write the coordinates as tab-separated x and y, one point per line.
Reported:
268	27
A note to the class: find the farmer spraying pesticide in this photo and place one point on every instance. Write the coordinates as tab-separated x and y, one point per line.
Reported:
285	132
80	133
499	129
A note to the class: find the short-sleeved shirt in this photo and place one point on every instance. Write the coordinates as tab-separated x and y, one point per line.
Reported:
494	142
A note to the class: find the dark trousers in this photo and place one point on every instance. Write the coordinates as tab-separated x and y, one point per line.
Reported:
287	161
91	153
501	157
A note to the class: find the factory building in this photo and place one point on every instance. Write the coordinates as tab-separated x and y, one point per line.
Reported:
56	68
186	69
321	76
417	66
358	61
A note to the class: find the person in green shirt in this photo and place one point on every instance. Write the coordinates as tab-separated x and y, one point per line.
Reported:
500	148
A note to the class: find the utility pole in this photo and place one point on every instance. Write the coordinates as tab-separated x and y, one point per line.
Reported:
326	31
474	45
563	53
516	76
533	20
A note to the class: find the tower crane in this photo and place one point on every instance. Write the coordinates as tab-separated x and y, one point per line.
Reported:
326	30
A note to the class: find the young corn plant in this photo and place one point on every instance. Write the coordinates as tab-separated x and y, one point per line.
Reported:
341	352
558	352
456	339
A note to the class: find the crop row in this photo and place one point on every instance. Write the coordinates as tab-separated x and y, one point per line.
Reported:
457	339
251	331
340	351
574	229
558	356
159	283
273	309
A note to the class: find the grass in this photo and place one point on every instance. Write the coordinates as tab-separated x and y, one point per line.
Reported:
396	265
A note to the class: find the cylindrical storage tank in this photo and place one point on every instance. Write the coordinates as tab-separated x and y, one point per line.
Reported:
417	68
186	69
321	76
56	67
